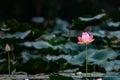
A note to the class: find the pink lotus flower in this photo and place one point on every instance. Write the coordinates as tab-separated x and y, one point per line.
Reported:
99	79
7	48
85	39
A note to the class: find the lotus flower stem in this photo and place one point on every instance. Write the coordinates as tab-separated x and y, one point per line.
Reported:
7	49
86	39
86	61
9	64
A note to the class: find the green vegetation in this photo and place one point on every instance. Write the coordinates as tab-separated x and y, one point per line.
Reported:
49	49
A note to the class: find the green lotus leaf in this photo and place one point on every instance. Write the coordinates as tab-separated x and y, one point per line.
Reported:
102	55
17	35
41	44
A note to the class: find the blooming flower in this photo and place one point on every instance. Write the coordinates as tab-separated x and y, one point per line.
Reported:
85	39
7	48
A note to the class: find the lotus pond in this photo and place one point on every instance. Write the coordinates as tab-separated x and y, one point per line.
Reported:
50	48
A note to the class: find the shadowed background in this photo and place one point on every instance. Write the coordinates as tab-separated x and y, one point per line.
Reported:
25	10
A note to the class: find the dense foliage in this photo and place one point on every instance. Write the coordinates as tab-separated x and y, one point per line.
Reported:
51	46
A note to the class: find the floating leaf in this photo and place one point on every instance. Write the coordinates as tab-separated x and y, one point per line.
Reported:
41	44
78	59
112	76
114	34
99	16
66	57
100	33
2	60
26	56
113	24
94	56
104	54
28	44
72	46
47	36
111	65
37	44
58	47
17	35
21	35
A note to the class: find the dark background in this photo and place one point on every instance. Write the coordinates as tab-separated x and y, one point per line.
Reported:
25	10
